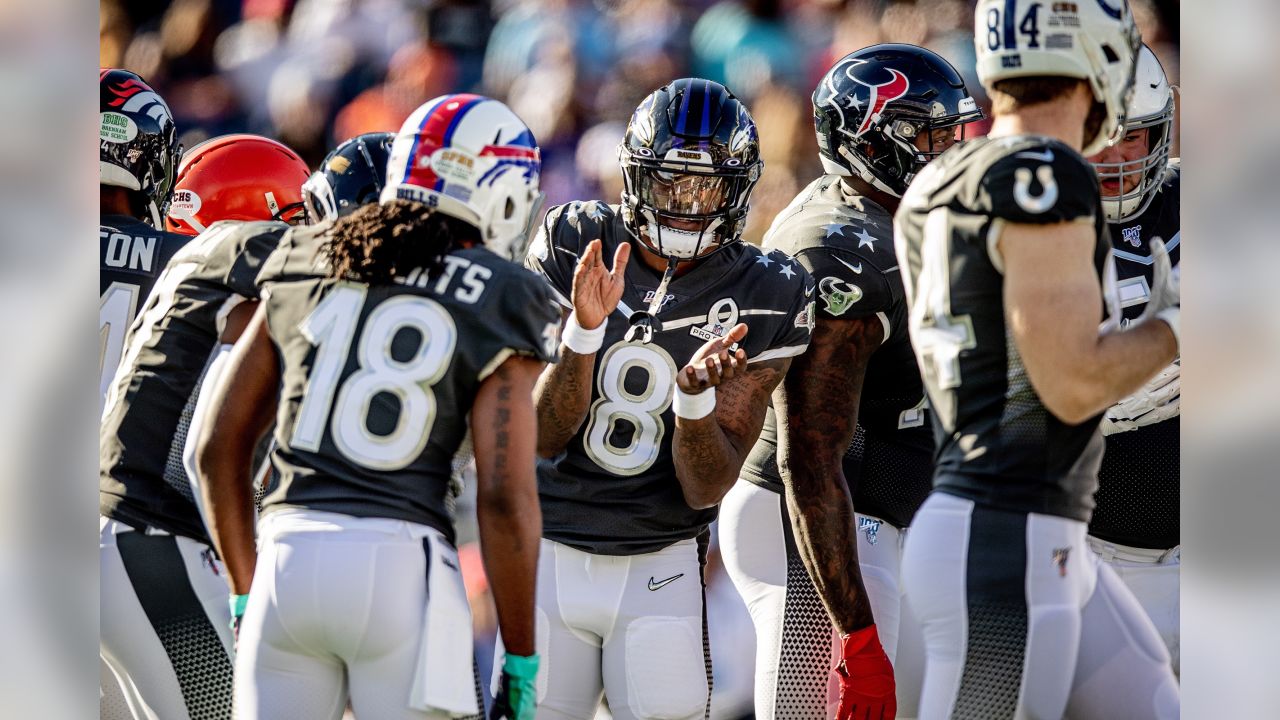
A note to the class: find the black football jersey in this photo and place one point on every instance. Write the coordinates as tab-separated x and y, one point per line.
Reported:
614	490
845	241
1138	484
997	444
378	380
150	402
132	256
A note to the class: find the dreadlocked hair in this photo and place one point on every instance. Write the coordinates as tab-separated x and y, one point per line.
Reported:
381	241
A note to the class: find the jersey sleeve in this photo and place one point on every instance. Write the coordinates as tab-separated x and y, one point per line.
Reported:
786	333
244	252
531	319
553	254
846	286
1041	185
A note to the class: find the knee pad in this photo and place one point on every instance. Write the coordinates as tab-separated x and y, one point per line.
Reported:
666	669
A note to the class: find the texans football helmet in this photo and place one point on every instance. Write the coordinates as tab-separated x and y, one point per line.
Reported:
872	105
350	176
137	139
690	158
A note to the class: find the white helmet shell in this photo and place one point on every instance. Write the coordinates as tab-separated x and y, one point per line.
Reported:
470	157
1093	40
1151	107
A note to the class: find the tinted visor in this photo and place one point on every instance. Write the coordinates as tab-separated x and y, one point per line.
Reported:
686	194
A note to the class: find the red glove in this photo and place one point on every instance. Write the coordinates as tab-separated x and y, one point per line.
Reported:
867	690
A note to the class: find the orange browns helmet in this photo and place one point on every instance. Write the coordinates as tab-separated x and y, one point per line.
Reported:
237	177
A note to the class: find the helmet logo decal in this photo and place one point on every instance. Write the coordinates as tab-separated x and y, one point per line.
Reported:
133	96
880	91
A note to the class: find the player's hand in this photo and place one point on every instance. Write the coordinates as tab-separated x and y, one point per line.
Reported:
237	604
517	696
596	289
1157	401
714	362
1166	293
867	690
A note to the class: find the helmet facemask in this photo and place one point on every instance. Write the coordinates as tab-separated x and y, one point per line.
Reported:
683	205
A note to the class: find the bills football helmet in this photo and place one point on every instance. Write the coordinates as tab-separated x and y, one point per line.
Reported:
690	158
874	103
470	157
1151	107
350	176
237	177
1093	40
137	139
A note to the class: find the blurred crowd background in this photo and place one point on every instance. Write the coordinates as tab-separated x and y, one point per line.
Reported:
312	73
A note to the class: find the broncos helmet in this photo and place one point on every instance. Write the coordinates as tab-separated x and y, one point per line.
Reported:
690	158
350	176
871	106
137	139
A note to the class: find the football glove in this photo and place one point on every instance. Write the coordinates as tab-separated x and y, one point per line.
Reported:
517	696
1165	301
1158	400
867	690
237	603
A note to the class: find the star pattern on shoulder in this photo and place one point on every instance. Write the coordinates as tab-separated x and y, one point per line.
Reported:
834	228
595	211
865	239
786	270
764	260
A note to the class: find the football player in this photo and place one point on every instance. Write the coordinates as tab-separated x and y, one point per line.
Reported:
881	114
1135	524
668	356
1008	274
165	624
380	340
137	162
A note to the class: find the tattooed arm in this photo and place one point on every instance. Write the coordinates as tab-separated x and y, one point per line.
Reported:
817	409
563	392
507	495
709	451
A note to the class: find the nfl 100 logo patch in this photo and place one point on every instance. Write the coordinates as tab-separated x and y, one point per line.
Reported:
1132	235
871	527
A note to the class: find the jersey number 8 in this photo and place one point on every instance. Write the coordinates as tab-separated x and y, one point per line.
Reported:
642	410
331	327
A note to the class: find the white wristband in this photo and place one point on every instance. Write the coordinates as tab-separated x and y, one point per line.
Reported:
581	340
694	407
1172	316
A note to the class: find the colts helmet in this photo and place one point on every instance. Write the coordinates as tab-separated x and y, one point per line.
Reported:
871	106
690	158
1093	40
350	176
470	157
237	177
1151	107
138	141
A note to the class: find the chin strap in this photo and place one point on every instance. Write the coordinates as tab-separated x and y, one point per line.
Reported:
644	323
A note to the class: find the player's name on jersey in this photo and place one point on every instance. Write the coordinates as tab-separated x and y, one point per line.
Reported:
471	279
129	252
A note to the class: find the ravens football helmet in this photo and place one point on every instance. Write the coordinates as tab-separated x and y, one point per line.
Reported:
690	158
137	139
872	105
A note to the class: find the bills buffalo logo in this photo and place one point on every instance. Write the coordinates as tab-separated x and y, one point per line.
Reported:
1060	556
132	96
874	88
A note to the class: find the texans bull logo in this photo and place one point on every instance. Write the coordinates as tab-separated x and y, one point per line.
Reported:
881	86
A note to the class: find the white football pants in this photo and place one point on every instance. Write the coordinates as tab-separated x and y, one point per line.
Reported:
337	610
165	630
1153	578
631	628
1021	620
796	646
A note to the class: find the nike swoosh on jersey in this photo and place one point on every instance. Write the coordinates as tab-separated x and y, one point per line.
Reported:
663	583
856	270
1046	156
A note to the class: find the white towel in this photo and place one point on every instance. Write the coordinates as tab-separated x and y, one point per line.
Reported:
445	677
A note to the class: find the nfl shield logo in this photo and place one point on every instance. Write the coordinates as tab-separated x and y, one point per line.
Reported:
870	527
